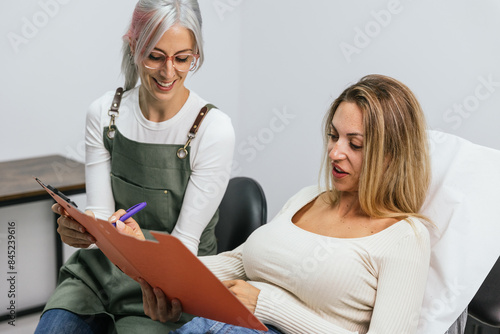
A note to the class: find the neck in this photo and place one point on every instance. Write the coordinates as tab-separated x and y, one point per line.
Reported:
349	206
157	110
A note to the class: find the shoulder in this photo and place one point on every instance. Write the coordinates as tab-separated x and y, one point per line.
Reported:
220	119
216	124
100	104
215	114
218	128
98	109
408	235
303	196
417	227
103	101
309	191
410	228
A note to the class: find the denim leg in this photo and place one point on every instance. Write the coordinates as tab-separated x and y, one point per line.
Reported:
58	321
203	325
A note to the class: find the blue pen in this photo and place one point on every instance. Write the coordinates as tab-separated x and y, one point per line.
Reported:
132	211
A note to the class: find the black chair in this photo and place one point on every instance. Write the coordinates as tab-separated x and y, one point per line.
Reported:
485	306
242	210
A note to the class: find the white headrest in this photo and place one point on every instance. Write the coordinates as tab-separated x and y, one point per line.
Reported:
463	203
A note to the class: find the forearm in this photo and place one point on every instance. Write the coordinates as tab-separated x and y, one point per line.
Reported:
201	201
227	265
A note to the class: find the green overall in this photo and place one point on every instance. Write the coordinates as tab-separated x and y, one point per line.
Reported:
89	283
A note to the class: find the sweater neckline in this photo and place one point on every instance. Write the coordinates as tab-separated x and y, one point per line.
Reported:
312	195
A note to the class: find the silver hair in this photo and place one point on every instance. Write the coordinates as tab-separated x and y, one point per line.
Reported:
150	20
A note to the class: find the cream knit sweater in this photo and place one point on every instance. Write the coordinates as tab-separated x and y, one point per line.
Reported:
316	284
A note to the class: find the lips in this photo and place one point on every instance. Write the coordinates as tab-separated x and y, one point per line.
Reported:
165	86
338	172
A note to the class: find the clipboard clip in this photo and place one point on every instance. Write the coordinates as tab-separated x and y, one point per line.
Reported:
57	192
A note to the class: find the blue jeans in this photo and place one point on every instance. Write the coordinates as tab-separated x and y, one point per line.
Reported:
58	321
207	326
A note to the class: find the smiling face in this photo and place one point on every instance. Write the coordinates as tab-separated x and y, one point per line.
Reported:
345	146
166	84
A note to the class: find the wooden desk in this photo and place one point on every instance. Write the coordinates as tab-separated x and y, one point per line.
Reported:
17	186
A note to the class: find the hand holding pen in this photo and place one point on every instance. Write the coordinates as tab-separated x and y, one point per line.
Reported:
131	227
131	211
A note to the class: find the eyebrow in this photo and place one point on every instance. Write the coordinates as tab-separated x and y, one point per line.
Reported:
351	134
181	51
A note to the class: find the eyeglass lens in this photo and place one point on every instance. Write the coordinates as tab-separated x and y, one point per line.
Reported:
181	62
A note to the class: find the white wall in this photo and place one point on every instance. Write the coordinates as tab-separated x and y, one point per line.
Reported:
273	66
293	59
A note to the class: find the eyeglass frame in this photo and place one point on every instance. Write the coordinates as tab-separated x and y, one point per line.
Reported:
171	58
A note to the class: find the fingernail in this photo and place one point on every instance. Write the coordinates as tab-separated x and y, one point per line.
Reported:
112	219
120	225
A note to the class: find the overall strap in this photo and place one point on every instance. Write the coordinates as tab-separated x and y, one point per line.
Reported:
113	112
182	153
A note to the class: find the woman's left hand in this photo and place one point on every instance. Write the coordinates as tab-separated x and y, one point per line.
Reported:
129	227
244	291
157	306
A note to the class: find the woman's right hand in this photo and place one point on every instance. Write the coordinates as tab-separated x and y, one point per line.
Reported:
128	227
72	232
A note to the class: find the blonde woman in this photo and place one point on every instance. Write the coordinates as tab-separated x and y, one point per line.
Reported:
351	258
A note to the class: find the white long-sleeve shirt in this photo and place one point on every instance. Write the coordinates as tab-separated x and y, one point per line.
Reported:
210	157
311	283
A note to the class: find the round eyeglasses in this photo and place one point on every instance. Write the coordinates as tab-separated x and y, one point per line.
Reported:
182	62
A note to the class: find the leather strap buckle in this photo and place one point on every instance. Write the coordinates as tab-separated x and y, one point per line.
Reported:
113	112
182	153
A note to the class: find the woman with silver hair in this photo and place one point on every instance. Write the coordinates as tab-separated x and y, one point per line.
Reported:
156	142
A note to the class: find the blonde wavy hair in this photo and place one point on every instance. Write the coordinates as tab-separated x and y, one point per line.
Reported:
395	173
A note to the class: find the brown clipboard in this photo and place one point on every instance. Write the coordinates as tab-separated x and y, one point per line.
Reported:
167	264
